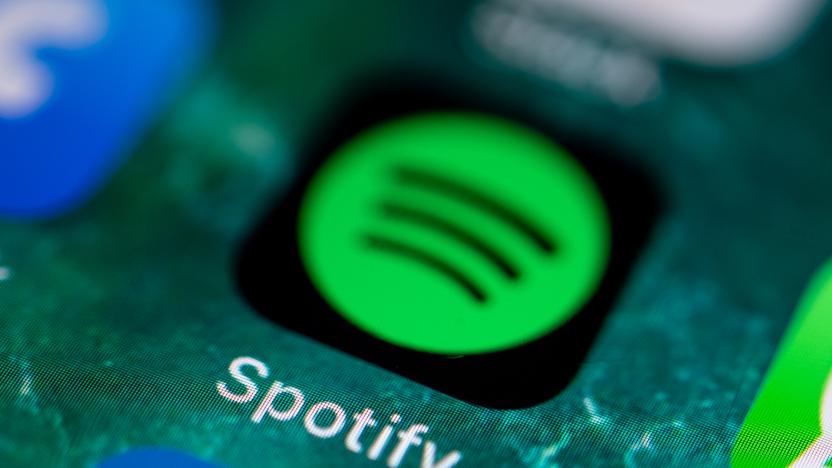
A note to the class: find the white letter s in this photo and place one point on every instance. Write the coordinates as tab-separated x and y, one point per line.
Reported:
235	369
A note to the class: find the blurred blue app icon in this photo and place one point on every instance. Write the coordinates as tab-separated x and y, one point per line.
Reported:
79	82
158	458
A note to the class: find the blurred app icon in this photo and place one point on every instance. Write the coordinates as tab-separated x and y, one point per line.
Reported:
79	80
790	423
159	458
713	32
819	453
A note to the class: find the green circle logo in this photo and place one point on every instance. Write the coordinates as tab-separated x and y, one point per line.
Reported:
454	233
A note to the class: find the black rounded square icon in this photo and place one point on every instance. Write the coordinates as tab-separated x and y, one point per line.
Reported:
449	239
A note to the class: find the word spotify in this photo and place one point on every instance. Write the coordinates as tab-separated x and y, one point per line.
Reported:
367	434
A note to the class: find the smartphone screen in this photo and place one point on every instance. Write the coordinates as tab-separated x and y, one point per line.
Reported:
415	233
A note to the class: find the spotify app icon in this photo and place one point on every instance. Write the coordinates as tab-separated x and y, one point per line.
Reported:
454	233
460	248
